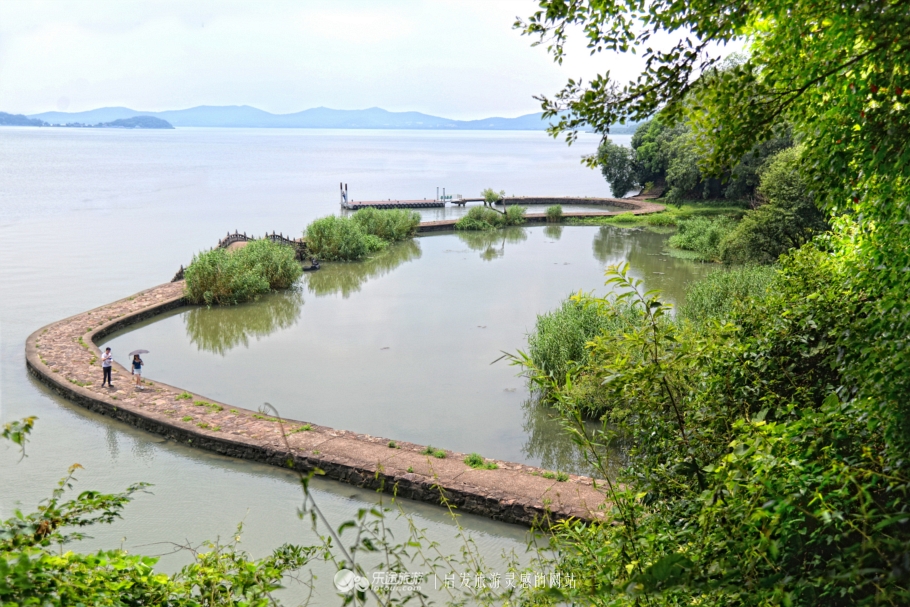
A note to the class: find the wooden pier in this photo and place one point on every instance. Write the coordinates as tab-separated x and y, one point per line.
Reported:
393	204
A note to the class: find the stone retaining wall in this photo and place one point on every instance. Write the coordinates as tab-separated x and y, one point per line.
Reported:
65	357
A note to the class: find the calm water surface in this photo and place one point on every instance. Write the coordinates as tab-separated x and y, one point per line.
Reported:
89	216
401	346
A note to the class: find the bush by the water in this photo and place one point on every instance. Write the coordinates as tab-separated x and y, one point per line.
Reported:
702	236
368	231
787	220
554	213
559	339
390	225
225	277
485	218
716	295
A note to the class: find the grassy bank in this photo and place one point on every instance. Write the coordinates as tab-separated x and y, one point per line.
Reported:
667	218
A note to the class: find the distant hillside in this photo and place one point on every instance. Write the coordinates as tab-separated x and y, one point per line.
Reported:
244	116
137	122
315	118
19	120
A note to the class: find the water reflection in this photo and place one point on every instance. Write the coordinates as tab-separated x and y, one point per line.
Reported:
347	278
612	245
646	253
550	442
219	329
554	232
492	244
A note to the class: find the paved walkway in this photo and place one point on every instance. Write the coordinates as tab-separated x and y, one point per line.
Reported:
64	356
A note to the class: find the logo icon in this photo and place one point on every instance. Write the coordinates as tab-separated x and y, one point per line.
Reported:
346	580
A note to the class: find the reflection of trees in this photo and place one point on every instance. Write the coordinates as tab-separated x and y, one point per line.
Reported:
492	243
219	329
349	277
554	232
611	245
549	442
645	252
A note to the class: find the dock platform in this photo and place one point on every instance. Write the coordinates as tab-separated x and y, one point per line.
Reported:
394	204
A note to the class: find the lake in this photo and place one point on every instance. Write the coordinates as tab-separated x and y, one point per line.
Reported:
88	216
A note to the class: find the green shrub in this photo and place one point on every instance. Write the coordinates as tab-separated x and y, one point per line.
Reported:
554	213
225	277
340	239
702	235
478	219
788	220
557	345
715	295
515	215
485	218
390	225
351	238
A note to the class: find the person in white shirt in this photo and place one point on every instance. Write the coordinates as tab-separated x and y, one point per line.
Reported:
107	359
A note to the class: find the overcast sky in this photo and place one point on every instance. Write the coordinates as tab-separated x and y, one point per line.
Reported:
459	59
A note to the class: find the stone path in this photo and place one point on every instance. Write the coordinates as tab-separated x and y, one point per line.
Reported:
64	356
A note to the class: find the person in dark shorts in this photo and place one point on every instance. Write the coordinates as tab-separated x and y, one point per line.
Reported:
107	359
137	370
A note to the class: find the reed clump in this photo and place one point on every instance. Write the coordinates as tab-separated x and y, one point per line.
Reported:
368	231
223	277
484	218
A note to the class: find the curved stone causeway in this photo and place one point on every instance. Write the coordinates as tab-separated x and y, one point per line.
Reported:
64	356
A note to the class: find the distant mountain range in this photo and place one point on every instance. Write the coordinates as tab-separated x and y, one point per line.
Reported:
244	116
136	122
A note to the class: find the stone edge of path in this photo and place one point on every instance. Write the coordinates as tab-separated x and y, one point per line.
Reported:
64	356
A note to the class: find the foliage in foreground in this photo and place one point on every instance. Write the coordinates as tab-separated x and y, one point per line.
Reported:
485	218
36	569
367	231
740	426
220	276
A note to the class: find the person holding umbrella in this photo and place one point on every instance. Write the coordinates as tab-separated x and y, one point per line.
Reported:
137	366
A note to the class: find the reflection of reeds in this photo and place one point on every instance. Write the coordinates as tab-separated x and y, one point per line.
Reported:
347	278
551	443
554	232
492	243
220	329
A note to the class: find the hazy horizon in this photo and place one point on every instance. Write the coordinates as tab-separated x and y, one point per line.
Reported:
458	59
247	105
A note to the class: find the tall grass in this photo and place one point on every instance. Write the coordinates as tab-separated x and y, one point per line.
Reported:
716	295
223	277
557	345
485	218
390	225
702	235
352	238
554	213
